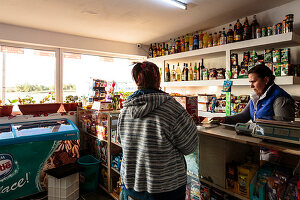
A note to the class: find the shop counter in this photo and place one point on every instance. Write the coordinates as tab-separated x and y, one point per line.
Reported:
27	149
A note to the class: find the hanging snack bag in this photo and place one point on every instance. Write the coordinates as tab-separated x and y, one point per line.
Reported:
268	57
234	59
276	56
235	71
285	55
227	86
277	69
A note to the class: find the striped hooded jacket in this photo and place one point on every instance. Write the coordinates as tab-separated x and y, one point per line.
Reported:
155	133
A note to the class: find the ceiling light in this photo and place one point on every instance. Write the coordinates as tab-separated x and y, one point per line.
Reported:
177	3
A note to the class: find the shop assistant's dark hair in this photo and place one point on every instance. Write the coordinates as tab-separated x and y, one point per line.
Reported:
263	71
146	75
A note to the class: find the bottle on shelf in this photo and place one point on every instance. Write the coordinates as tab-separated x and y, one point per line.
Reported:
196	75
205	40
247	30
173	46
186	72
215	39
223	37
191	74
158	50
219	37
230	35
182	43
173	74
199	72
168	75
186	44
210	40
183	73
254	27
196	41
191	42
150	52
163	49
201	40
177	45
178	73
154	51
238	33
167	50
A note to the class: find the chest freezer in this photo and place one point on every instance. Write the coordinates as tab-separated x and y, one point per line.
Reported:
28	149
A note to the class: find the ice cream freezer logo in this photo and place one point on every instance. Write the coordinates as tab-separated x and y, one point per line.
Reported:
6	165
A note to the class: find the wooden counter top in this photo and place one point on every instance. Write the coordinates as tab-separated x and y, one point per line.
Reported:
225	133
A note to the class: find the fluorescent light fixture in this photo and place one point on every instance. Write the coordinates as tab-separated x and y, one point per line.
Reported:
177	3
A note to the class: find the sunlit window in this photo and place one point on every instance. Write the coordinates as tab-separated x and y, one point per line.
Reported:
26	73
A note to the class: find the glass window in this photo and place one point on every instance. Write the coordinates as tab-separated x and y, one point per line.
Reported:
79	70
27	73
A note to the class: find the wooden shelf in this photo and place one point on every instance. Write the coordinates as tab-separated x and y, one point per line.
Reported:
115	170
91	135
223	189
225	133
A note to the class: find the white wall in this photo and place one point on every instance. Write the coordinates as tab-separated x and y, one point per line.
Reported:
23	35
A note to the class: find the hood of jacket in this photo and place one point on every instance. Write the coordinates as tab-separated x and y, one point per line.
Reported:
142	105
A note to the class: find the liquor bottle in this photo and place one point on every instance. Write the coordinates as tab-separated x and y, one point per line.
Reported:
168	76
196	41
182	43
158	50
191	42
254	27
238	33
219	37
163	49
247	30
183	73
230	35
186	44
186	72
177	45
178	73
173	46
201	40
210	40
223	37
215	39
154	51
205	40
202	67
196	75
150	52
199	72
191	73
173	74
167	50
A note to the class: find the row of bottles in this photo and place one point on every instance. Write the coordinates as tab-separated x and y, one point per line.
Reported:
188	73
238	32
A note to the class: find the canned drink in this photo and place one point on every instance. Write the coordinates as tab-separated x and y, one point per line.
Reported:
258	33
289	27
269	31
283	26
279	28
274	29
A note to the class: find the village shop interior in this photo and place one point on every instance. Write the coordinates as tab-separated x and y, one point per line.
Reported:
65	69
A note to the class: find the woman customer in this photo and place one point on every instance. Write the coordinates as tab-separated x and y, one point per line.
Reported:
155	132
267	101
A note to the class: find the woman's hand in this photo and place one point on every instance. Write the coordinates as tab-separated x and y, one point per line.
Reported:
219	119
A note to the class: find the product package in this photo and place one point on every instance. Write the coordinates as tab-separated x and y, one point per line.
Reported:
287	69
268	55
277	69
285	55
234	59
276	56
235	71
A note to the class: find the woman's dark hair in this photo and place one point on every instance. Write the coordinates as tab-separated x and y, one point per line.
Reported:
146	75
263	71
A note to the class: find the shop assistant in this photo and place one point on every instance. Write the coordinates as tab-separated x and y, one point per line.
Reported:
267	101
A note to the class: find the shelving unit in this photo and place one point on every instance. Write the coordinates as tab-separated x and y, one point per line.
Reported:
91	136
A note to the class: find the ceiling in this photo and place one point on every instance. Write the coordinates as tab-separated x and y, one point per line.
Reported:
131	21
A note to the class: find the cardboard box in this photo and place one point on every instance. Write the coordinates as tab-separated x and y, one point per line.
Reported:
190	103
